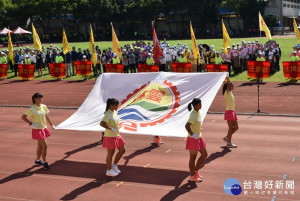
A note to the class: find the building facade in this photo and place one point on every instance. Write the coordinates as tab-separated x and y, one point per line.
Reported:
285	9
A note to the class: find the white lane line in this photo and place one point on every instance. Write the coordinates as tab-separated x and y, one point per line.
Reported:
12	198
156	150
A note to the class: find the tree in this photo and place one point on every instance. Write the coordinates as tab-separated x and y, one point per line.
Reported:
5	5
202	12
247	9
251	18
39	11
178	7
271	20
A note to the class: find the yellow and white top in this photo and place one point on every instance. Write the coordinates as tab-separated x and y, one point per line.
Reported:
182	60
260	59
112	121
229	100
195	120
116	60
38	116
149	61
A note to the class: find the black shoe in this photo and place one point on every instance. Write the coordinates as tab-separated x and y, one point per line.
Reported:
38	162
46	166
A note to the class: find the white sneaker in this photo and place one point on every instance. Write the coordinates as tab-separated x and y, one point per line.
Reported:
115	168
230	145
111	173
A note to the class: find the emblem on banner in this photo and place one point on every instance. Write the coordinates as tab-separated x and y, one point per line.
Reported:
149	105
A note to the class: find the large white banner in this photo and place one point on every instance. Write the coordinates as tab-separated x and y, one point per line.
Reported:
150	103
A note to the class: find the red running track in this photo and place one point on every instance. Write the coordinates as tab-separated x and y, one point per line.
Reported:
267	146
275	98
268	149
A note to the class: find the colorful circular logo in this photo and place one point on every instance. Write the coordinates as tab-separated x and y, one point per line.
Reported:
151	104
232	186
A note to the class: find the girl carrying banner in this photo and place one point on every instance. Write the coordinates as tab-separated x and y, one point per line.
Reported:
112	139
230	115
194	142
39	116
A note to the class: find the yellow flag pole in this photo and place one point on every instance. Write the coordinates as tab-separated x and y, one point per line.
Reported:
64	31
259	21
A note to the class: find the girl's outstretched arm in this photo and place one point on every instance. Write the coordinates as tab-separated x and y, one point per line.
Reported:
48	120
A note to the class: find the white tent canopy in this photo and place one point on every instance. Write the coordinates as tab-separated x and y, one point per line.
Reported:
19	30
4	31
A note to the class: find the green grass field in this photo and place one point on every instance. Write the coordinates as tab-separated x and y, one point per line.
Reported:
286	45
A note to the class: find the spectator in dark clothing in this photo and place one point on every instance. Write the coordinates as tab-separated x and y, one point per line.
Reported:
16	59
48	60
69	64
74	55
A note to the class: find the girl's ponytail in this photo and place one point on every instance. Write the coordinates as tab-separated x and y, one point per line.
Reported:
190	106
107	105
224	88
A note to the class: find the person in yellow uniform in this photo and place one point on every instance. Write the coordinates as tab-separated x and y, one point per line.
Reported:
295	57
182	58
187	54
260	57
112	139
115	59
3	59
27	60
59	58
211	55
194	142
149	60
39	119
218	59
230	114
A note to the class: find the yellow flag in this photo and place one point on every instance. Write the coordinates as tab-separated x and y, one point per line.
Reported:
36	40
195	47
10	49
116	46
226	38
296	30
263	26
66	47
92	48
